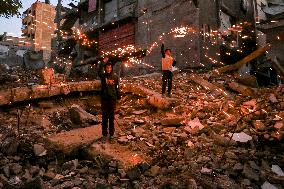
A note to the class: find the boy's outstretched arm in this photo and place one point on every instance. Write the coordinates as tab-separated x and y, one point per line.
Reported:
163	50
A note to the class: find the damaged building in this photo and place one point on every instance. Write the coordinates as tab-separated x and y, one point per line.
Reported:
12	50
147	24
38	27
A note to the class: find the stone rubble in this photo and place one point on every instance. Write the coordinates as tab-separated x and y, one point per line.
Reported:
190	144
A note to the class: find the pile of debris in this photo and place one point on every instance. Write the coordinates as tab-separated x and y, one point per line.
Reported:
205	135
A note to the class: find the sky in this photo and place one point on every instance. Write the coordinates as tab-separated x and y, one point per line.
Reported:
13	25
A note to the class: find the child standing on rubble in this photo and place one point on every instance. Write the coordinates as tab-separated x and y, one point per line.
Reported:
110	94
167	65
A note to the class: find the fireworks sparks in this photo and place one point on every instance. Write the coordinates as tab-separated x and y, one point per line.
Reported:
78	35
181	32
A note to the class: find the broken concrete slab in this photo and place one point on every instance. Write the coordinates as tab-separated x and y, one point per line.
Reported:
43	91
68	142
209	86
39	150
153	98
258	125
47	76
176	121
79	116
248	80
245	90
120	153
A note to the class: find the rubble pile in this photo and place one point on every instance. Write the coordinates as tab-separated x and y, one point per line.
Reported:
212	137
16	76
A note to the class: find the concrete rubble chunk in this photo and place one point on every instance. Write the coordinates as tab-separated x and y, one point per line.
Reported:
153	98
39	150
249	173
241	137
254	165
123	139
209	86
195	123
176	121
242	89
139	121
191	184
206	171
279	125
41	121
47	76
238	167
70	165
67	184
49	175
169	129
70	141
248	80
9	145
277	170
273	98
249	106
223	141
137	131
134	173
153	171
79	116
190	144
125	157
139	112
259	125
36	182
267	185
15	168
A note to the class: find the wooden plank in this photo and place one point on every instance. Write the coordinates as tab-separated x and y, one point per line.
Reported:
247	59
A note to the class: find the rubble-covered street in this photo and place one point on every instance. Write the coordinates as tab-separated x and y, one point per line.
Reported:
141	94
205	139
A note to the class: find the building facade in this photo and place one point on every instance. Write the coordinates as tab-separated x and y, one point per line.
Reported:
149	23
38	27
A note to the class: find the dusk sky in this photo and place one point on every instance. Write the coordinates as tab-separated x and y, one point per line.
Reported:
13	25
